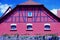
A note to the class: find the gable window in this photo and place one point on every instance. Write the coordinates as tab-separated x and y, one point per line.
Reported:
13	26
46	26
29	14
29	26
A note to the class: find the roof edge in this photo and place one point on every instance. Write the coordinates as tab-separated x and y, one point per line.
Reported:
6	11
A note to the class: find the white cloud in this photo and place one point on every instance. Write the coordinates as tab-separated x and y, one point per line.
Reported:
4	7
54	11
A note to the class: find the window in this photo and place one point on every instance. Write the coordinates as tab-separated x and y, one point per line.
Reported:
47	26
29	14
29	26
13	26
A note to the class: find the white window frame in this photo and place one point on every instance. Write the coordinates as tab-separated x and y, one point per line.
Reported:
14	25
45	25
30	28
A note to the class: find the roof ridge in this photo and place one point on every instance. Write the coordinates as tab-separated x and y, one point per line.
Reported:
29	3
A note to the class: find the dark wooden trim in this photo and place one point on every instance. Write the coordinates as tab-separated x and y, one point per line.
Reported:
51	14
13	30
47	30
29	17
6	11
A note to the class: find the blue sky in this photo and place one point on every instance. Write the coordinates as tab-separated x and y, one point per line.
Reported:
49	4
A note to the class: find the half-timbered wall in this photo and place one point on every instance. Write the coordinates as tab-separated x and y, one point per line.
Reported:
21	15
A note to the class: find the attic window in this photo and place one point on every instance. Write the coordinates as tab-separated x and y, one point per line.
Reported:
13	27
46	26
29	14
29	26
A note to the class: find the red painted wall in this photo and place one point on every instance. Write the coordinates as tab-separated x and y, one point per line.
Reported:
38	27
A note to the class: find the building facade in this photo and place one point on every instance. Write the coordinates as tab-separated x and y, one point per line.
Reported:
30	19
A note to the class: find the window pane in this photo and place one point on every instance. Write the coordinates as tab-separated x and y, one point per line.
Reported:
47	27
13	27
29	13
29	27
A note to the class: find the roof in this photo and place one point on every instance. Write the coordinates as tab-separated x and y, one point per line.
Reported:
29	2
28	6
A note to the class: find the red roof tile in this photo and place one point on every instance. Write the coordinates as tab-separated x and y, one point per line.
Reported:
58	13
30	2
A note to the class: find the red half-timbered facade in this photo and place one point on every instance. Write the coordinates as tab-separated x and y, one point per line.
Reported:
30	19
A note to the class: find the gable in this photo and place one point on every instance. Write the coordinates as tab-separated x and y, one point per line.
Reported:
19	14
